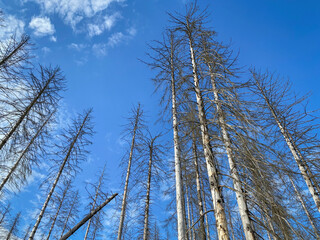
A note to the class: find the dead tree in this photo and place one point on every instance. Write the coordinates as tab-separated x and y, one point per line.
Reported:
76	140
134	130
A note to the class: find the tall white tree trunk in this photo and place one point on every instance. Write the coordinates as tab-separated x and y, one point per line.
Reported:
218	203
200	203
240	195
177	160
204	204
125	192
95	200
146	210
294	151
35	227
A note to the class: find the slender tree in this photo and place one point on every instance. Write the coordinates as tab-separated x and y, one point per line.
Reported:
134	129
76	139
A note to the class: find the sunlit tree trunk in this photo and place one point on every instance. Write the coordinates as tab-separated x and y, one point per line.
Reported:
240	195
200	203
13	226
218	202
177	158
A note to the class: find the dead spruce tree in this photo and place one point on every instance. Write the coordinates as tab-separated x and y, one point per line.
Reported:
70	152
134	132
13	230
42	96
187	25
17	173
296	128
165	58
153	153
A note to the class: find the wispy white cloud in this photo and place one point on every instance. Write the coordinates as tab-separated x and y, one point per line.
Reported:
73	11
106	23
12	25
99	49
77	46
115	39
41	26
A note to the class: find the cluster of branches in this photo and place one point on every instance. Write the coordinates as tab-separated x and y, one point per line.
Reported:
30	136
254	137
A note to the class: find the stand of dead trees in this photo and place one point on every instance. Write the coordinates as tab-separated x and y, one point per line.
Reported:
241	162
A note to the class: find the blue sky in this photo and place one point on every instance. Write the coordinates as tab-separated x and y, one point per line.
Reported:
97	44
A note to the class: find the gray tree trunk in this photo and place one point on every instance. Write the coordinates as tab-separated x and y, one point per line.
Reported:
35	227
86	218
241	198
294	151
125	192
178	172
146	210
200	203
17	163
218	203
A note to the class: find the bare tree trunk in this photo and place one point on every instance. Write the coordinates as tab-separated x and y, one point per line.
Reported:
241	198
95	200
146	210
26	111
69	214
14	167
58	209
124	200
13	226
293	150
200	203
188	212
304	207
218	203
177	159
35	227
204	204
86	218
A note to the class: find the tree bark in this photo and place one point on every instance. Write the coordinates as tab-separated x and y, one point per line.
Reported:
177	159
200	203
220	215
86	218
